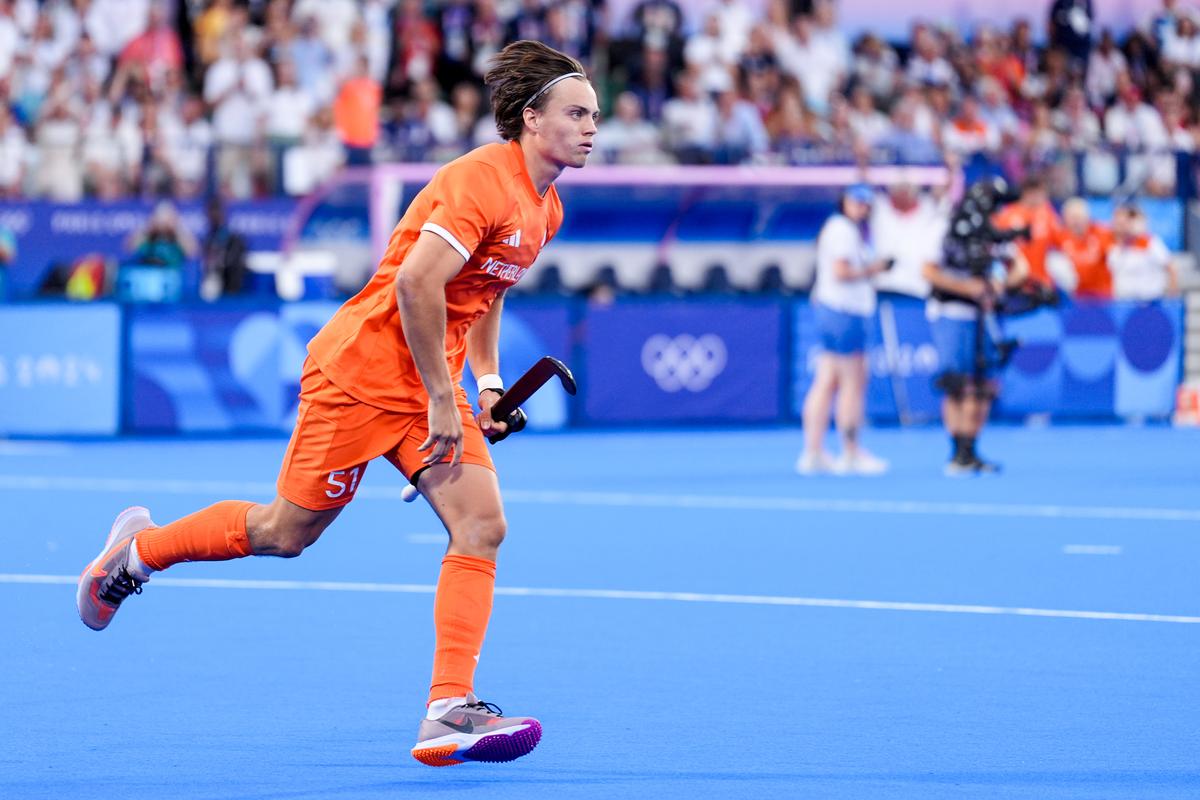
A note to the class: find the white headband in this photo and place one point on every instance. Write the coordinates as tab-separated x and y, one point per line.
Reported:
542	91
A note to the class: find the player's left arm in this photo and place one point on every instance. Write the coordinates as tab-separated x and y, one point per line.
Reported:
483	354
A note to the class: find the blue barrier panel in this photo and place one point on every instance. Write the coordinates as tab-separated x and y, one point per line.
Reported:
1083	360
1101	359
680	361
59	369
900	354
236	369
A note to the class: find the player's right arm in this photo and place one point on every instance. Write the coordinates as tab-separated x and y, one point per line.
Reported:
421	297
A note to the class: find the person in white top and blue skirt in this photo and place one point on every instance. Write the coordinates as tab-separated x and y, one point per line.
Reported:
843	303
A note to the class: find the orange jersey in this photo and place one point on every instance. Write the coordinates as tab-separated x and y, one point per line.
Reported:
1043	227
1089	254
485	206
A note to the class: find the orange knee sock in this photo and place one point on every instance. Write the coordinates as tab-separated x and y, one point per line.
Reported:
218	533
461	610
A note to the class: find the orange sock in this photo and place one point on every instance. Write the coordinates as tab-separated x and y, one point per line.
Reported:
461	610
218	533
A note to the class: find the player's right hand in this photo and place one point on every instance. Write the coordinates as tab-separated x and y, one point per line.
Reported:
445	432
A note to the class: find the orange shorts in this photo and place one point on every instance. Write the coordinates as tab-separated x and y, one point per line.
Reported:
336	436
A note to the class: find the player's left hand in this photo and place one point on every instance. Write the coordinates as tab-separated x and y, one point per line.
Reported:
489	426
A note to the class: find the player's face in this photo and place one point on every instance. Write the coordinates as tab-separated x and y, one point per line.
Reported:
567	123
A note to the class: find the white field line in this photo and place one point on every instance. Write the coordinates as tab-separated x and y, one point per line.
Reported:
618	594
1092	549
135	486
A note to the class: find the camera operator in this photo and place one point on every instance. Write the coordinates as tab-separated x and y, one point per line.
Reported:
979	266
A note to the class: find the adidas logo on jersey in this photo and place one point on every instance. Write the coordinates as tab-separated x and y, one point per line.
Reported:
514	240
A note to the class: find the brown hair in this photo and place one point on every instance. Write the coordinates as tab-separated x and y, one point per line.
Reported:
519	72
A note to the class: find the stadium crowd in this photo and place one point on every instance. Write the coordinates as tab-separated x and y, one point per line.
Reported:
112	98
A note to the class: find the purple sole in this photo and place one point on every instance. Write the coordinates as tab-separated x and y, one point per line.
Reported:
505	747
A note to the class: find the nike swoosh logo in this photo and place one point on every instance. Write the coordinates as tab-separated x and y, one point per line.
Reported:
465	727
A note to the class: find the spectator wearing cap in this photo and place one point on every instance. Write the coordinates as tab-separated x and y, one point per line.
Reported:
1085	244
843	300
1139	261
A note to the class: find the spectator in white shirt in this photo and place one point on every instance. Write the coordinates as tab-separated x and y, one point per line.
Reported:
187	145
1132	123
877	67
818	66
113	23
60	169
112	155
907	226
1076	122
868	123
14	154
10	38
969	133
689	122
316	159
288	109
1181	48
335	19
926	66
1139	261
706	53
238	87
1105	63
627	137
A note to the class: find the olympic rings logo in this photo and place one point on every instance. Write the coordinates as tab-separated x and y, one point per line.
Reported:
684	362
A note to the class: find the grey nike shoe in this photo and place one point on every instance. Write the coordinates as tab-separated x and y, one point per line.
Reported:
475	731
107	581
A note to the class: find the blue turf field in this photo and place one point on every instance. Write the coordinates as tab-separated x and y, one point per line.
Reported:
684	648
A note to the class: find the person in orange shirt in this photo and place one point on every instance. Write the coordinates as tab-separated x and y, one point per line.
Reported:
1085	244
356	112
1032	210
383	379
